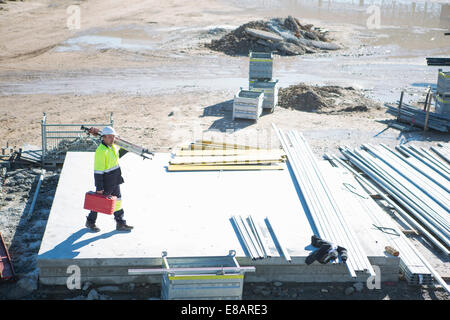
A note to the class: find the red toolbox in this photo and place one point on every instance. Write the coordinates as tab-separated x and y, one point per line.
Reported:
99	202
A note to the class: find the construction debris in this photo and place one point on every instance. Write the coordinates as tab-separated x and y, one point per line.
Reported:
416	117
285	36
11	156
77	144
325	99
439	119
23	235
209	155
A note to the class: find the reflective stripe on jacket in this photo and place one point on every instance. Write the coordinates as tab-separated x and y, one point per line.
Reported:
107	171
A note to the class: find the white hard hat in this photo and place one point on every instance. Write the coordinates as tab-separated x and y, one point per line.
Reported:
108	130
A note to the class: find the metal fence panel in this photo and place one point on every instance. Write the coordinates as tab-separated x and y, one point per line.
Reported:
57	139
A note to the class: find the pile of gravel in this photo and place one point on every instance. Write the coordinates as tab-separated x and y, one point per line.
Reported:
22	233
285	36
325	99
77	144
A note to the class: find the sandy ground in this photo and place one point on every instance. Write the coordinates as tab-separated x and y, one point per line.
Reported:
145	62
43	69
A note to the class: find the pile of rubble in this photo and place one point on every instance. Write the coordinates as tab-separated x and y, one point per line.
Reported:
285	36
325	99
78	144
23	233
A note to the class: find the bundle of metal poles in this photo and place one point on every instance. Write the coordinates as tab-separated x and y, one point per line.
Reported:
416	117
253	238
442	151
328	219
412	263
415	182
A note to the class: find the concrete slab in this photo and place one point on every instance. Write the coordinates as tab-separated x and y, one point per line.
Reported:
184	213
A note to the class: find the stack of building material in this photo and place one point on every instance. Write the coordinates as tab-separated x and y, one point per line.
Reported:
270	90
256	242
412	264
416	117
443	93
261	66
418	183
205	155
260	78
438	61
330	223
416	180
247	105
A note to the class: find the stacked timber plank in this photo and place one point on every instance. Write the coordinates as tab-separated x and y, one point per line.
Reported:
204	155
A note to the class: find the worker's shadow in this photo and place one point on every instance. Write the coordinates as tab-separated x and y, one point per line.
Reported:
67	248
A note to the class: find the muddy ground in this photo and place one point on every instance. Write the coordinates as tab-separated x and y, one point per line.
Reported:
148	63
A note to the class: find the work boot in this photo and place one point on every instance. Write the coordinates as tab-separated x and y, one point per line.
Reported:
122	226
91	226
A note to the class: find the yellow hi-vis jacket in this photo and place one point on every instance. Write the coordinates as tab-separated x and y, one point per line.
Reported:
107	171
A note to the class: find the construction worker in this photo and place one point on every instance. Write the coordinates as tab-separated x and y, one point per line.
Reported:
108	177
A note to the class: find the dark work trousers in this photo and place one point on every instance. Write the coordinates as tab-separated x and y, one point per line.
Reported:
118	215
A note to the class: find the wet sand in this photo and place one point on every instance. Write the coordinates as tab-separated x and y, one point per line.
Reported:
143	60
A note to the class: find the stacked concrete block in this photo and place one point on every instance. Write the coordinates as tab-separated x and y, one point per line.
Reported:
247	104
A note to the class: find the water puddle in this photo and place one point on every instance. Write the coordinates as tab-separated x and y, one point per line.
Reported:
139	38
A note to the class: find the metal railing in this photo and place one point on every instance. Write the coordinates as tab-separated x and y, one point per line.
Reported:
59	138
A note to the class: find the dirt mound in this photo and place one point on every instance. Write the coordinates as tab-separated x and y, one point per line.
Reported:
285	36
325	99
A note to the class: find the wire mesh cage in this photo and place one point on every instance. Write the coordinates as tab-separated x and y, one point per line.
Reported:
58	139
